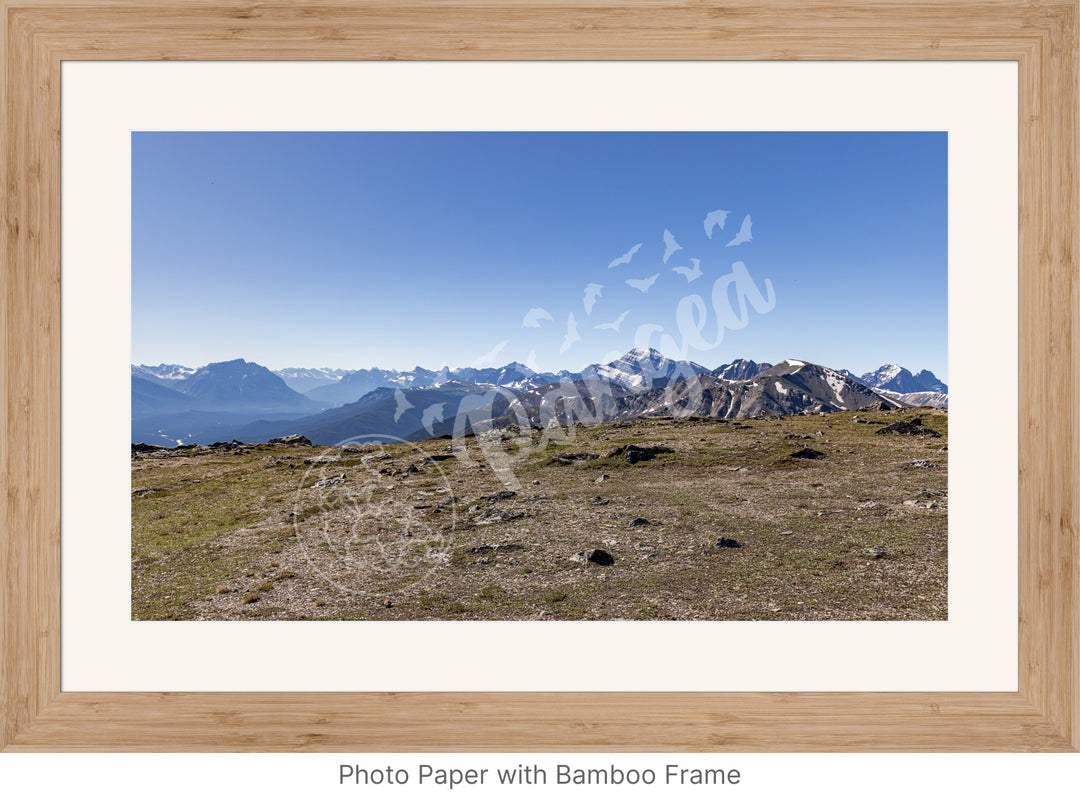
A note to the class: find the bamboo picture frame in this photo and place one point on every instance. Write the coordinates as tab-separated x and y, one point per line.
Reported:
1041	37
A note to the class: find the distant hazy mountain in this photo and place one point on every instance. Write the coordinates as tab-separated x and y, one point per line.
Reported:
305	379
168	409
930	382
167	374
894	378
151	396
740	370
240	384
387	411
514	375
352	386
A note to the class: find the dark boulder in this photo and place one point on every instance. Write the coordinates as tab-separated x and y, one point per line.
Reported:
572	459
635	454
600	557
913	427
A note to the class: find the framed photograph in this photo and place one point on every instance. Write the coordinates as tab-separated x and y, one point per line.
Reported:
579	475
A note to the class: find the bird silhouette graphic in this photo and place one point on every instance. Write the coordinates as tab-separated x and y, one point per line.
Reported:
532	319
403	405
744	234
691	274
671	246
432	415
715	219
571	334
643	284
488	359
613	326
625	258
592	292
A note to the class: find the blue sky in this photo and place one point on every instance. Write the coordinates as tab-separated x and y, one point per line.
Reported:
395	249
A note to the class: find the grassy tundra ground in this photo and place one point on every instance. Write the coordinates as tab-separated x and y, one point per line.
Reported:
395	532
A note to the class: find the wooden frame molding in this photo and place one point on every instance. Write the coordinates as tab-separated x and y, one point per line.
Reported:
37	35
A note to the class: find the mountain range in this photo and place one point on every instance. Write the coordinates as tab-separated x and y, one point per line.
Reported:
173	404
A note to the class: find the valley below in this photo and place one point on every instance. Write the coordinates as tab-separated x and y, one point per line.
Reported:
816	516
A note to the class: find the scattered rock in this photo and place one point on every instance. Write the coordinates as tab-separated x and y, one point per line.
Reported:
496	497
807	454
789	532
478	550
140	492
536	481
142	448
330	481
877	552
495	516
576	458
598	500
921	464
289	440
931	505
640	522
910	503
436	457
866	506
320	460
412	469
602	478
913	426
635	454
727	543
377	456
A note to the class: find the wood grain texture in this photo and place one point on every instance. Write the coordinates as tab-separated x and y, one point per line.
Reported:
1040	36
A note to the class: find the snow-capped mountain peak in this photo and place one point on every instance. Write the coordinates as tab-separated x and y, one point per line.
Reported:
894	378
642	367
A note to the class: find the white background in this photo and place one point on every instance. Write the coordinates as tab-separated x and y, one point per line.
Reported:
840	95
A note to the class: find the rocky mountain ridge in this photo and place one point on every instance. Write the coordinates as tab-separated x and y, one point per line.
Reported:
239	399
